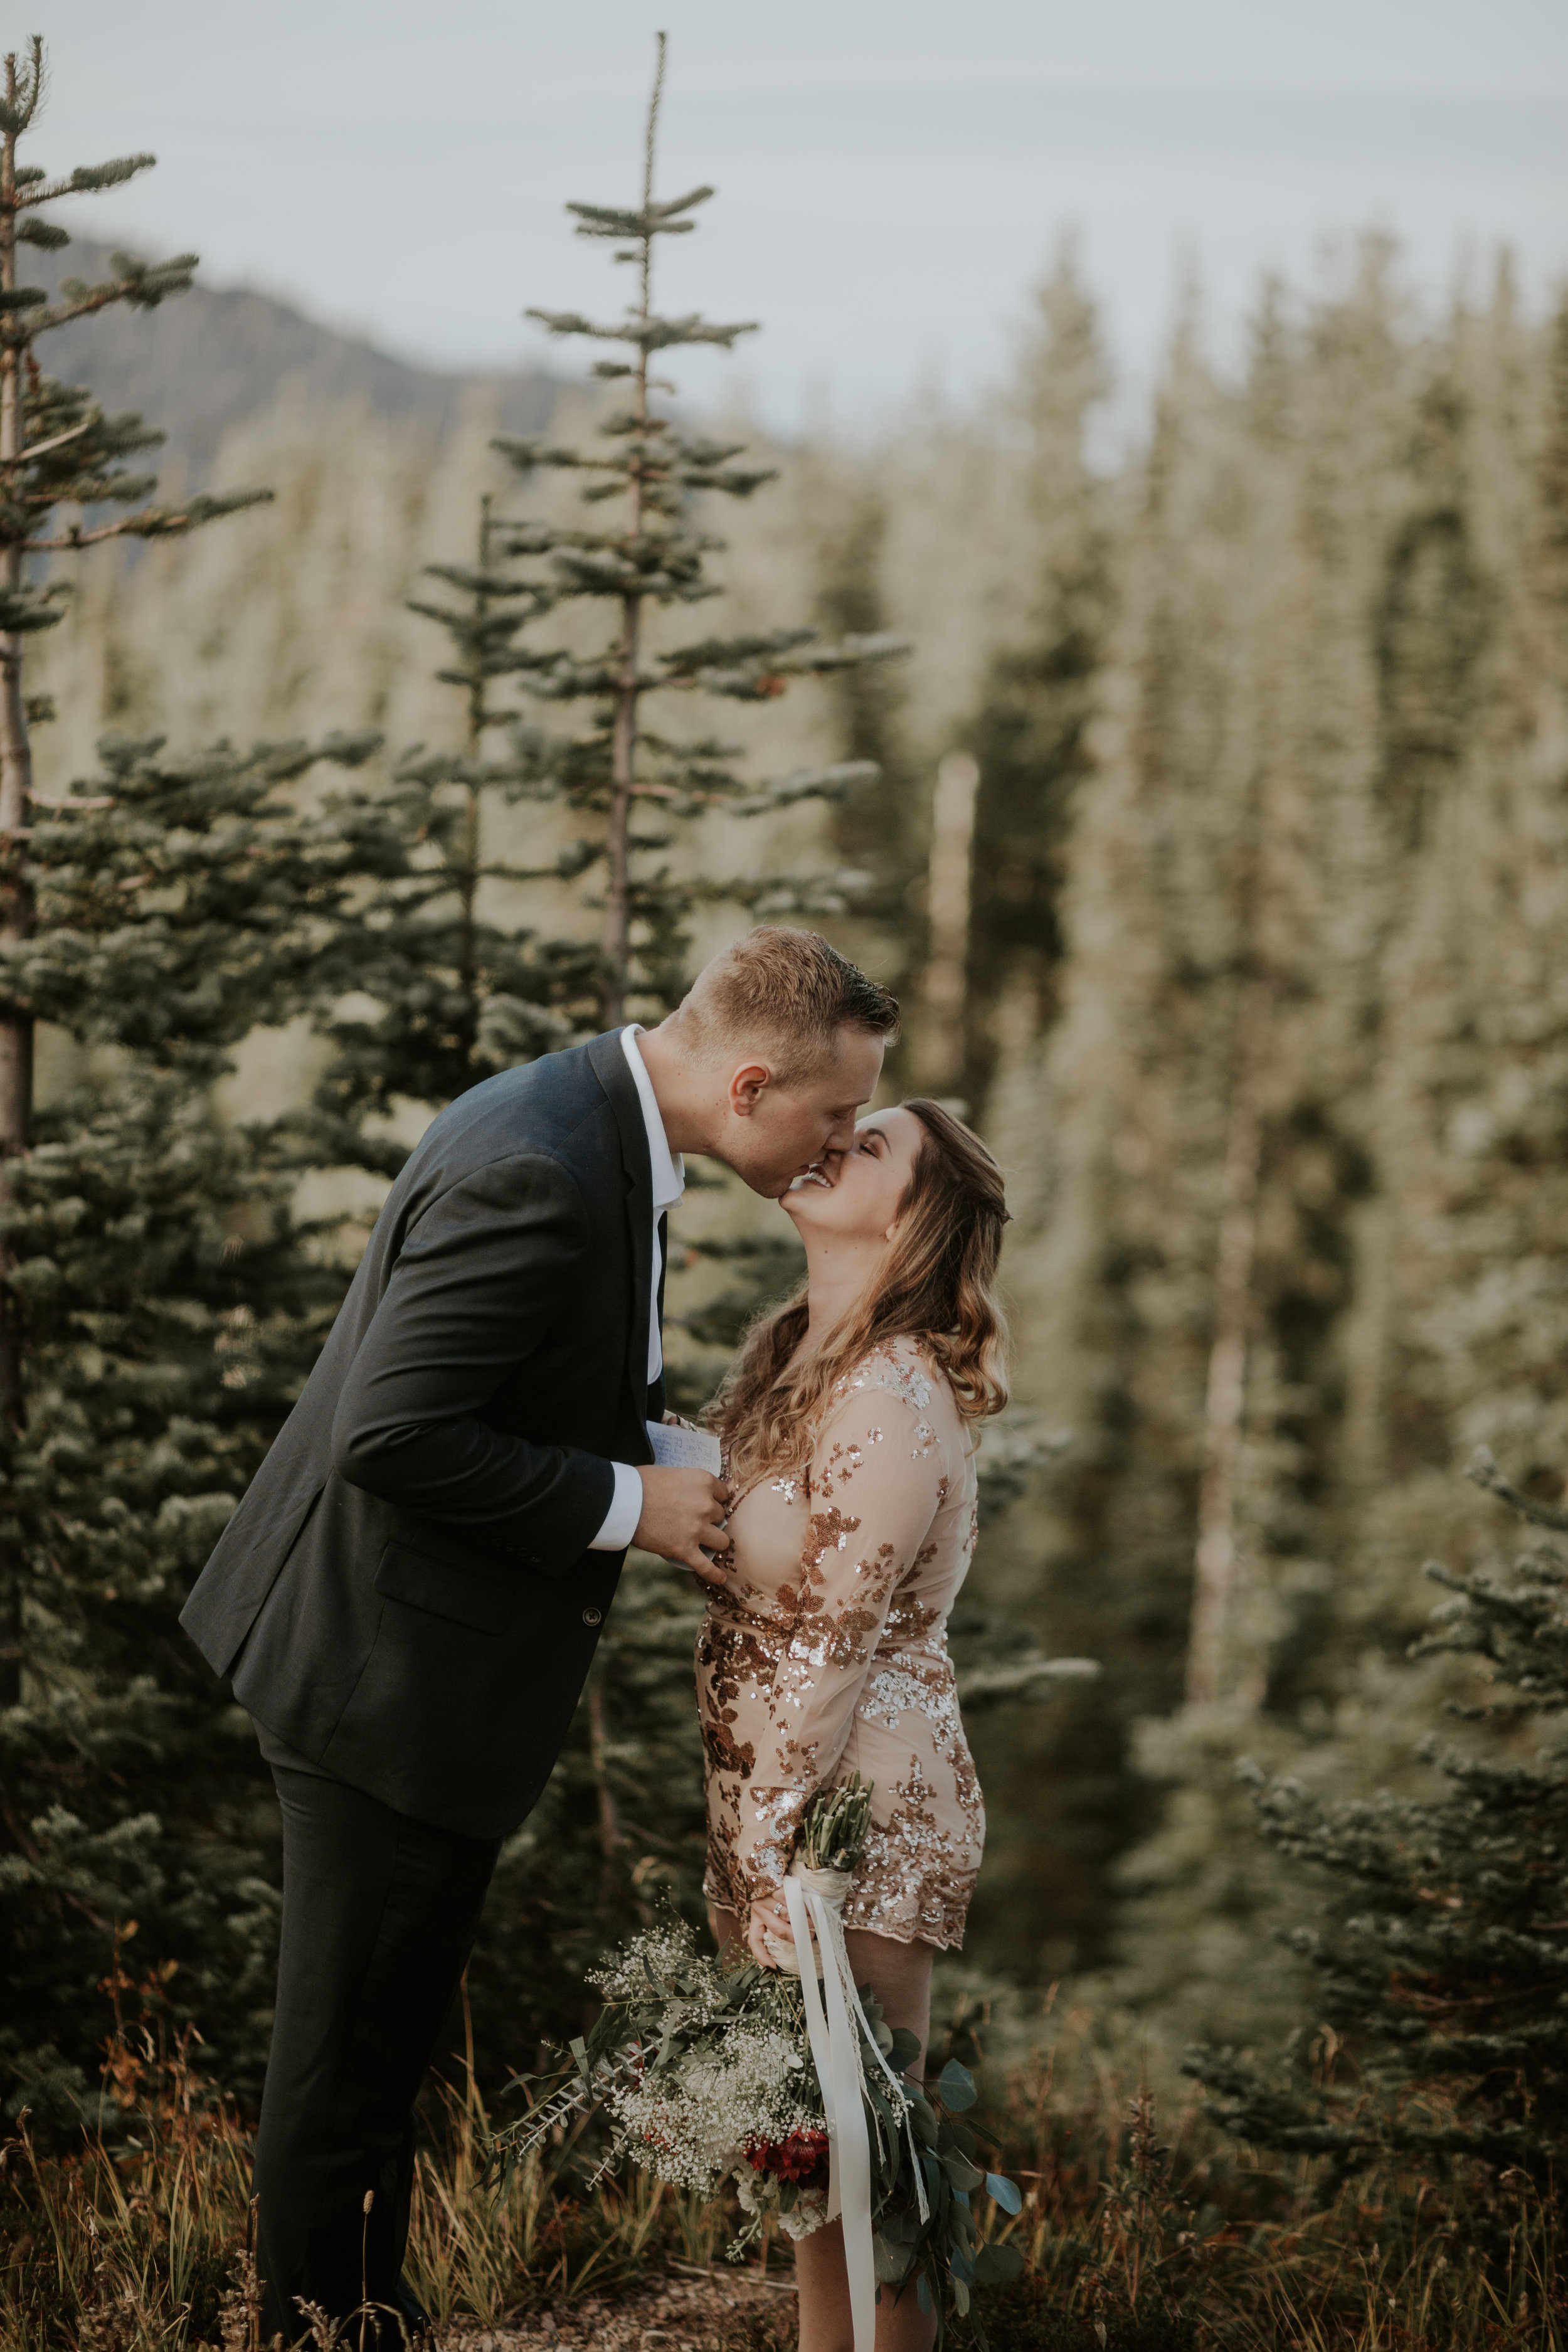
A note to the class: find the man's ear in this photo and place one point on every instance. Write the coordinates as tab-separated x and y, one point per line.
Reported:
747	1086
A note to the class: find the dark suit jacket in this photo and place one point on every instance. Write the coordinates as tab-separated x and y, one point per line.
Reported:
404	1595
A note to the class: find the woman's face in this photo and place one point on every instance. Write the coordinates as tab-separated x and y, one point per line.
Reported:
854	1195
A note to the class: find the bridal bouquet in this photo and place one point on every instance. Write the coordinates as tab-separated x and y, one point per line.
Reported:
714	2074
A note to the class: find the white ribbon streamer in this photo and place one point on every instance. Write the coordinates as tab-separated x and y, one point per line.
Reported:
814	1898
816	2026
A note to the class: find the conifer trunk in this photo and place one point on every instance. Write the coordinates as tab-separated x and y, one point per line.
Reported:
948	915
617	941
468	961
1214	1564
16	888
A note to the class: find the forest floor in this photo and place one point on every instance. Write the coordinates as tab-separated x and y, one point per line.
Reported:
711	2311
1141	2232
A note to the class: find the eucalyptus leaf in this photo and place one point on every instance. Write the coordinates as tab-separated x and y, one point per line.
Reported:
891	2262
906	2049
955	2086
1005	2192
994	2265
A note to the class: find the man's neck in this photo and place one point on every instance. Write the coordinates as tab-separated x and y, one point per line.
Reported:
677	1091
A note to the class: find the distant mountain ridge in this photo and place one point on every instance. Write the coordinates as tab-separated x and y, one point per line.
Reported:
207	360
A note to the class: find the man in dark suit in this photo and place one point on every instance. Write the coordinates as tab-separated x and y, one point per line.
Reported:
409	1596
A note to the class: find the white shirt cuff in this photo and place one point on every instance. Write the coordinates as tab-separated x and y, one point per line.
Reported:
626	1509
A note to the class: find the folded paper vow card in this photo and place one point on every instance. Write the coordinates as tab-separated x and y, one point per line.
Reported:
674	1448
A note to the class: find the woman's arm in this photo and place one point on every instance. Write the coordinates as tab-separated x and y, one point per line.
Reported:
877	1478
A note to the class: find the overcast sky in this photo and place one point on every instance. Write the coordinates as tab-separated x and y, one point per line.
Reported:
892	175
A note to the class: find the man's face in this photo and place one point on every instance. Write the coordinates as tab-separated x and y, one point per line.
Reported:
773	1133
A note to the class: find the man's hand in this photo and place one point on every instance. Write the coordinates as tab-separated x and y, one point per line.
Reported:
683	1519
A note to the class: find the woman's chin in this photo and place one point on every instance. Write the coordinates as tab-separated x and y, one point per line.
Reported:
803	1206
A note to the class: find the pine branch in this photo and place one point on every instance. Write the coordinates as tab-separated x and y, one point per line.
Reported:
645	334
141	284
653	220
1483	1472
152	522
88	179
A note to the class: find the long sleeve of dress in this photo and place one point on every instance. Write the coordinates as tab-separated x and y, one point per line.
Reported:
876	1480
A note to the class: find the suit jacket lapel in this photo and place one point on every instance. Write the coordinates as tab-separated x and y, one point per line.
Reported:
608	1058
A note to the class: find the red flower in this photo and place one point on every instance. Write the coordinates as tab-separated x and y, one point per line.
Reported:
801	2158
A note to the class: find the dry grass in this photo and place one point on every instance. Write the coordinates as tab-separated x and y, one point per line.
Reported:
132	2242
1159	2231
491	2257
1144	2233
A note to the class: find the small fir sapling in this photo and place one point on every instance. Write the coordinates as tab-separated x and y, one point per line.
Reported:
458	993
624	768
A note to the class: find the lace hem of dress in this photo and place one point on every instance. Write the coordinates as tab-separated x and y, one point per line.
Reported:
864	1911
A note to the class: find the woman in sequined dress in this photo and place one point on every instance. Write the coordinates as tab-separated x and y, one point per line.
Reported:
848	1427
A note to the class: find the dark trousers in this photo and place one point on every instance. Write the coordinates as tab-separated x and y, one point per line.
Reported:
379	1915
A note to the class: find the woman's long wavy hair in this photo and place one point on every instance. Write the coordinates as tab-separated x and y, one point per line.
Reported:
936	1286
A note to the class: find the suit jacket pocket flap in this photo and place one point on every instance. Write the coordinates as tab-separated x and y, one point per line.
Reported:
442	1590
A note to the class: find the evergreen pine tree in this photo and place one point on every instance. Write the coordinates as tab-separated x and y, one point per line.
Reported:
57	449
1438	1953
167	1310
620	769
159	1308
458	990
1373	713
1029	732
884	830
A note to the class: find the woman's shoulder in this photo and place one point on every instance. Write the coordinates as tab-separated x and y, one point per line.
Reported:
899	1367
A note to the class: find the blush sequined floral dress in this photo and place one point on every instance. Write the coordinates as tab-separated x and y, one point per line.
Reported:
824	1653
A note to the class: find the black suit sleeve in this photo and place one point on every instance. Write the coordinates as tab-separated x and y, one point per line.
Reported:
478	1280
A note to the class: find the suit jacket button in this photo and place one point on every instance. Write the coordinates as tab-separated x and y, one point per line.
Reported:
592	1616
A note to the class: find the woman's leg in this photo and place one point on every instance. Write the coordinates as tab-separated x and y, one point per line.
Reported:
725	1930
900	1975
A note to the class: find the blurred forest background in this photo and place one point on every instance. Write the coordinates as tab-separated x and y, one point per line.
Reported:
1219	854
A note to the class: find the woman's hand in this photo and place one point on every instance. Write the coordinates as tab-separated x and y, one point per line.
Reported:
767	1921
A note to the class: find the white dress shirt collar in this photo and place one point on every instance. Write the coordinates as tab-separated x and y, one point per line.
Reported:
668	1184
668	1168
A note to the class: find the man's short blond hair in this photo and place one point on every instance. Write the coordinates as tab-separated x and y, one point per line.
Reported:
785	993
